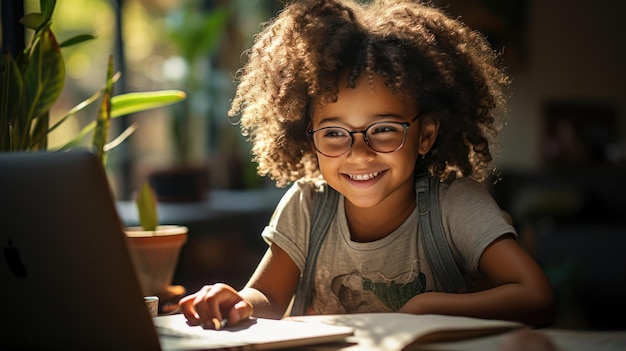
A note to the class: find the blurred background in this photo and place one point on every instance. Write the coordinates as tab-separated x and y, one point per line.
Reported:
560	173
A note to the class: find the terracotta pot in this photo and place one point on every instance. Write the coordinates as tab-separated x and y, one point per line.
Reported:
155	255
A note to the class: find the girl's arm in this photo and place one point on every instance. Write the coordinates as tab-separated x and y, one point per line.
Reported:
267	294
521	290
273	284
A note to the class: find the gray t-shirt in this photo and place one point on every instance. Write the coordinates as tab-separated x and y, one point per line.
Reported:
382	275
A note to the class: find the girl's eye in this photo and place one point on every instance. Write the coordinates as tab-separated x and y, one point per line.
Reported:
335	133
384	128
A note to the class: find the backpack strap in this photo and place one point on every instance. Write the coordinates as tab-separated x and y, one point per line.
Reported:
433	235
324	209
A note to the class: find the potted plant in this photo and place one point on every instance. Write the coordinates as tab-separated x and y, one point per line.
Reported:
31	83
155	249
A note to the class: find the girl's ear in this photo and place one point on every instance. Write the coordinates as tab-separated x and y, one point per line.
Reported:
428	130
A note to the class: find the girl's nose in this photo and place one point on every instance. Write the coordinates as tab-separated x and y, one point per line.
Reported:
360	151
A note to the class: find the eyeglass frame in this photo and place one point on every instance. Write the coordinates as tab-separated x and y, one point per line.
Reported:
405	126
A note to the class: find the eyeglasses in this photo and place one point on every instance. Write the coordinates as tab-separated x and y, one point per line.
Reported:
382	137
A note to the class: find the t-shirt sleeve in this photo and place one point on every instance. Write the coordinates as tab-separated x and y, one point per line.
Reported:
289	225
472	219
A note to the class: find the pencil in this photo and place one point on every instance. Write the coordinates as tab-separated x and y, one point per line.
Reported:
219	324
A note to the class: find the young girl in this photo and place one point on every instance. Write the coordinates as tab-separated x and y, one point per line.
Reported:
363	98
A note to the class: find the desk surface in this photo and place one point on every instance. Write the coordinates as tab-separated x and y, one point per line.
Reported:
386	332
555	339
534	340
218	203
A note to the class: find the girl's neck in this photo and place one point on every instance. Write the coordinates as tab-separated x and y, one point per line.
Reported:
374	223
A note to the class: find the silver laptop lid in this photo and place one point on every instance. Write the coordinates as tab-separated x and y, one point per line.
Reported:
67	277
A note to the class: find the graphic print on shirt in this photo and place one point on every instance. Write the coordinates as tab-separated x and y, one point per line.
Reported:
352	291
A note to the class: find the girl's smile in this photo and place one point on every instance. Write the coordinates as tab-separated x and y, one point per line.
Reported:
364	180
364	177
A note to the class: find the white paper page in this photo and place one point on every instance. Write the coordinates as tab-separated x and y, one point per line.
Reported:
396	331
256	334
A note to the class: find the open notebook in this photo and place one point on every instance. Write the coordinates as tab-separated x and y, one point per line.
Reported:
401	331
362	331
67	277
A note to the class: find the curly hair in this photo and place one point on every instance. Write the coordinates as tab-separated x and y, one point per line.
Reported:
422	54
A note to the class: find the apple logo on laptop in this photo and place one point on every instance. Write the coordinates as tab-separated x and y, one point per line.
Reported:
12	257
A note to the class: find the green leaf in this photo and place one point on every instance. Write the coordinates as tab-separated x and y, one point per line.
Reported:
82	105
147	207
77	40
39	134
79	136
121	137
125	104
103	122
71	113
44	77
47	7
33	20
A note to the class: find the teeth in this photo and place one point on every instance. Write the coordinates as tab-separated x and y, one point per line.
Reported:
363	176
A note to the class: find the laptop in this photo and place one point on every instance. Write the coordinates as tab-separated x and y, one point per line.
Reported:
67	277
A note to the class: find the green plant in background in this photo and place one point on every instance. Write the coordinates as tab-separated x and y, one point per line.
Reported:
147	207
31	83
195	33
116	106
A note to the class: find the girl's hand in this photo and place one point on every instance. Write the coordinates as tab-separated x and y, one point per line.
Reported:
213	304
